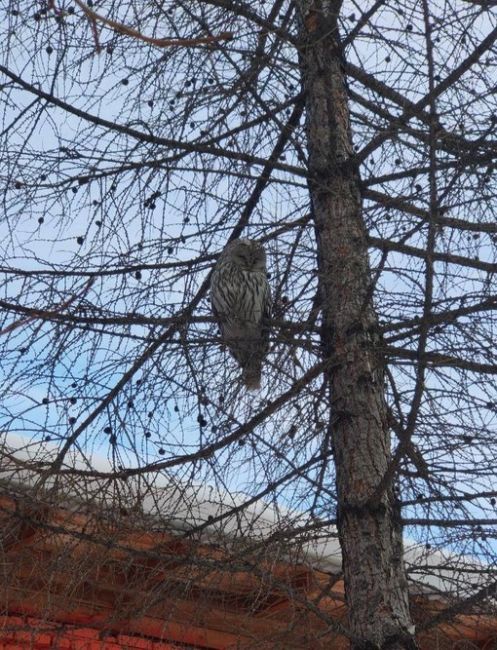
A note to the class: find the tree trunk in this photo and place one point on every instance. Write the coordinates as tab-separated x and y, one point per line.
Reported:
368	522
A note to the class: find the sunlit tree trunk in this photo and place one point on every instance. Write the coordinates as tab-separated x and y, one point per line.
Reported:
368	522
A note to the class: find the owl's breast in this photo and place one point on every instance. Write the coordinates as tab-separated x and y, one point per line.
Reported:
239	296
252	296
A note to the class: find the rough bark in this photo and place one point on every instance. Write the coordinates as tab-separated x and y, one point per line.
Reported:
369	529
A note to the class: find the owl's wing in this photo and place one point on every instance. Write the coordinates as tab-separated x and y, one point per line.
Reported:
267	307
268	302
223	297
217	308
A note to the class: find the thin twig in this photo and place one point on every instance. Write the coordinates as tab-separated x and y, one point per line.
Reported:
118	27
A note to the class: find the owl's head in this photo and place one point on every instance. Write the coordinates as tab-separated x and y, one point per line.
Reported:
246	253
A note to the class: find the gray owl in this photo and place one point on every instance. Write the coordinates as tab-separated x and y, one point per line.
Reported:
241	302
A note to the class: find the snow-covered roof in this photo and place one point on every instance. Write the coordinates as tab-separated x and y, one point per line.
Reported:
231	515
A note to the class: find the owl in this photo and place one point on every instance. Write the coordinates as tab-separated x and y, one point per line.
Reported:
241	303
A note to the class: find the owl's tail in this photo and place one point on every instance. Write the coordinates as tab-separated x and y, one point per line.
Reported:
251	374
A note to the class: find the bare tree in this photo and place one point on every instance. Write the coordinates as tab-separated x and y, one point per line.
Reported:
357	143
